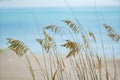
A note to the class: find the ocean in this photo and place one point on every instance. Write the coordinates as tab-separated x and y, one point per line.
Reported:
22	23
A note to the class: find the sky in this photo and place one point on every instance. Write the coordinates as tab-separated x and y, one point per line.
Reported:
56	3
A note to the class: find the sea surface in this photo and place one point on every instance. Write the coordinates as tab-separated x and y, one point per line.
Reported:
26	24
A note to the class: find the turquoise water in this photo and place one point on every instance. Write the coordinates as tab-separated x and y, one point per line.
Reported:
18	23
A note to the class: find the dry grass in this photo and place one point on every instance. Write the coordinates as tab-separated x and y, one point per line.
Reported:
17	46
84	66
72	26
74	49
111	33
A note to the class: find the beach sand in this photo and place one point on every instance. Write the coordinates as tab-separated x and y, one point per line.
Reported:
13	67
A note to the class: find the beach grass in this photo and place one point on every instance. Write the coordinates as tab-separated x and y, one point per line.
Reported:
81	62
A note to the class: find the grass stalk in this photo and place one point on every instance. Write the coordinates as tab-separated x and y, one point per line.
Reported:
30	67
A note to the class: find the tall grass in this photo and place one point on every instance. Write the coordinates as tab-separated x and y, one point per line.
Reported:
81	62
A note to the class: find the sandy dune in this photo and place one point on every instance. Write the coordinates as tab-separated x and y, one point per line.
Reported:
12	67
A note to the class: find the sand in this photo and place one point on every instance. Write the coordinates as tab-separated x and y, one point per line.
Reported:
13	67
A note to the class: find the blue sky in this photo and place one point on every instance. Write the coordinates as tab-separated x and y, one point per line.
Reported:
55	3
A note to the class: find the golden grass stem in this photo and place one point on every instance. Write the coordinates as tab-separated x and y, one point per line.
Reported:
30	67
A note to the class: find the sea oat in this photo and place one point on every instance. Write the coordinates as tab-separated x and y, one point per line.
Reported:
47	43
17	46
72	46
55	29
92	36
111	33
72	25
85	40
